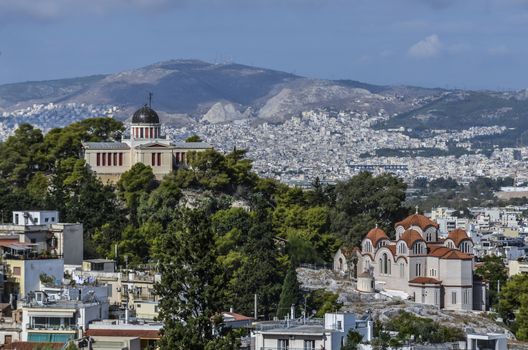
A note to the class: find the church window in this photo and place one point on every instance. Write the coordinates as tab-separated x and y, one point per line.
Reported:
121	159
402	270
385	264
159	159
103	159
418	270
98	162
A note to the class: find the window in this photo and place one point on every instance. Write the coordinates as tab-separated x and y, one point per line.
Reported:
159	159
385	263
46	219
16	271
153	160
283	344
453	297
103	160
52	219
8	339
418	270
33	240
402	270
115	158
121	159
339	325
98	159
16	219
109	158
309	345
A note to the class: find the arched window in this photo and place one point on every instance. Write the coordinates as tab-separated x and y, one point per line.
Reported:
385	264
402	249
340	264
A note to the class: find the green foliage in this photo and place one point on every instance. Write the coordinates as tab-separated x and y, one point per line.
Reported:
423	330
364	201
290	294
522	319
133	184
322	302
352	340
191	286
494	272
193	138
510	298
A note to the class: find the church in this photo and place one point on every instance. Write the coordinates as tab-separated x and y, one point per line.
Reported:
418	263
145	144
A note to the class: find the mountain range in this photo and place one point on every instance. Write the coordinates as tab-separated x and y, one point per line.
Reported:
191	90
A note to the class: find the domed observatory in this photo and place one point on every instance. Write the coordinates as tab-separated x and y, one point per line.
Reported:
143	144
145	124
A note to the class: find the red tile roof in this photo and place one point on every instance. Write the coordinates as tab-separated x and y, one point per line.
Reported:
448	253
419	220
425	280
457	236
411	236
375	235
140	333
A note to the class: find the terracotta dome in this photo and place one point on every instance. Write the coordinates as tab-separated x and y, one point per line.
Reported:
375	235
457	236
419	220
411	236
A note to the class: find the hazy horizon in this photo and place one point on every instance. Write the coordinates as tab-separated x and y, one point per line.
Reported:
475	44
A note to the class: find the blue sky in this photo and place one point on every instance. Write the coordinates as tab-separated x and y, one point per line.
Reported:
473	44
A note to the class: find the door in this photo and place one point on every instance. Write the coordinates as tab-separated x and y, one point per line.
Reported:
309	345
283	344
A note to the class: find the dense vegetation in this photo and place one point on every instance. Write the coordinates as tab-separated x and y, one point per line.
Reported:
218	233
447	192
513	305
419	329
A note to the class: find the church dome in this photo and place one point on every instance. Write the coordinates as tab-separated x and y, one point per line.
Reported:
145	115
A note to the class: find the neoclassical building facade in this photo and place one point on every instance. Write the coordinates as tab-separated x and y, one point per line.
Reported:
431	270
145	144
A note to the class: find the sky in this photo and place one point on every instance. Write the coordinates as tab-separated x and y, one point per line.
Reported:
469	44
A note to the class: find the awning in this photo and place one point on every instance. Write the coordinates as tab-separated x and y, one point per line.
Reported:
50	313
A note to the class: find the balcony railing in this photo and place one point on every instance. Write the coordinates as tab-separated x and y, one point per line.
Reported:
52	327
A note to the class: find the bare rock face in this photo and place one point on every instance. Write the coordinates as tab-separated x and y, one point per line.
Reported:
225	112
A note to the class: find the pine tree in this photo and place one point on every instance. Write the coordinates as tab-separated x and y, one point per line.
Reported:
290	294
190	290
522	318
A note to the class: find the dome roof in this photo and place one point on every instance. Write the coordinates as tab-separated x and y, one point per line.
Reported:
458	236
421	221
145	115
411	236
375	235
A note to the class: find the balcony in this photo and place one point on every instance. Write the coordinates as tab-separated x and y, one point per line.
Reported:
51	327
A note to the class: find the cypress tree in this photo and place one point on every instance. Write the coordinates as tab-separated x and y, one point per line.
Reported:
290	293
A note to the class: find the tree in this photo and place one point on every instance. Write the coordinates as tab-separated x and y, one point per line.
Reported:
191	287
134	183
510	297
364	201
522	319
290	294
322	302
493	271
193	138
352	341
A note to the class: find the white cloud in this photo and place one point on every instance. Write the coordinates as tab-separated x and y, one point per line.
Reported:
53	9
427	47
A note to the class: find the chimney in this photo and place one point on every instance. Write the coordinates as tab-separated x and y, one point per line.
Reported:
292	312
231	309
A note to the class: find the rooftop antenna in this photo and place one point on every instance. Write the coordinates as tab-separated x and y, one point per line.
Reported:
150	99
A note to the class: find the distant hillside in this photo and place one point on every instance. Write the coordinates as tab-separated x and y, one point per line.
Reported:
464	109
218	92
